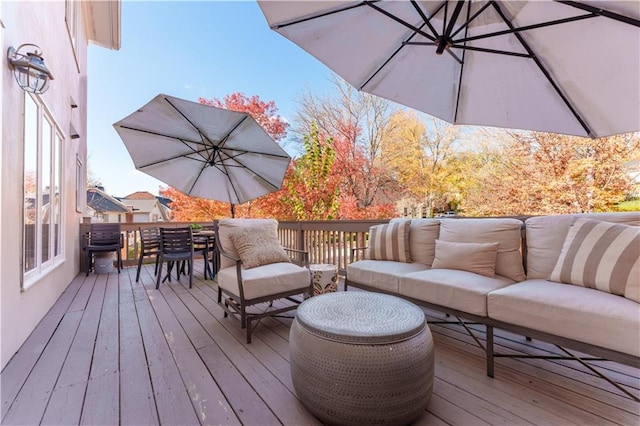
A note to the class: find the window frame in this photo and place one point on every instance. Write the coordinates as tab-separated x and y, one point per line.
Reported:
43	259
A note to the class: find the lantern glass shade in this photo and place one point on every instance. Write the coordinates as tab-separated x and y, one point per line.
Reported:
29	69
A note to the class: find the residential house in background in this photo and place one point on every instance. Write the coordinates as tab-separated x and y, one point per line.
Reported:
146	207
102	207
44	155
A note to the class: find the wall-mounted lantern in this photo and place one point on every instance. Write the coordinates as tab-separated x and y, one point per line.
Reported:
29	69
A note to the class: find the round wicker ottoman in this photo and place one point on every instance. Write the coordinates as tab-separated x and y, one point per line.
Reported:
360	358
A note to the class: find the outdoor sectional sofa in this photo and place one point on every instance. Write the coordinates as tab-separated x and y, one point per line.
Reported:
570	280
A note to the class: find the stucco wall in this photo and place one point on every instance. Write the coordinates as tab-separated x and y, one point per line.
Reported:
41	23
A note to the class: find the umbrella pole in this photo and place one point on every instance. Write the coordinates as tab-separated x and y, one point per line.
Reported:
233	210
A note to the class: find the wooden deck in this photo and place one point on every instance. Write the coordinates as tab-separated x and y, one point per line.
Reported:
115	351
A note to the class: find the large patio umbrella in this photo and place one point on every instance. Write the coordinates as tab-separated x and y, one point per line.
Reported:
568	67
203	151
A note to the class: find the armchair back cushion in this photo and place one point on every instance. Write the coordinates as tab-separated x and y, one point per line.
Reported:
226	226
506	232
257	246
546	235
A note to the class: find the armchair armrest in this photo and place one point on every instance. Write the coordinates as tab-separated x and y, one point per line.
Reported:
354	250
303	254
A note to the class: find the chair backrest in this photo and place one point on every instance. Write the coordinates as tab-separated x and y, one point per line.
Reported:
149	238
103	234
225	226
176	240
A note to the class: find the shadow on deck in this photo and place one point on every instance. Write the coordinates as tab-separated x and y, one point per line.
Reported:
113	351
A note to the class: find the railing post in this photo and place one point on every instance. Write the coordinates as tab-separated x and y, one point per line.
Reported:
300	238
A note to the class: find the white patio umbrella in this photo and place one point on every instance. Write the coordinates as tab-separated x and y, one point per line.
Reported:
569	67
203	151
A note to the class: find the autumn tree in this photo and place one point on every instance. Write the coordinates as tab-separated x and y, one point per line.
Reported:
545	173
421	155
356	121
313	186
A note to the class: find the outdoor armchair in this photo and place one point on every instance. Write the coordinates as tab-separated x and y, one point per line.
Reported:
102	238
256	269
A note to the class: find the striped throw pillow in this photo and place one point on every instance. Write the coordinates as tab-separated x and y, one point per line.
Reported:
601	255
390	241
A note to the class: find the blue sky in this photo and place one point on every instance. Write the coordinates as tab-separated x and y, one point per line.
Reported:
189	50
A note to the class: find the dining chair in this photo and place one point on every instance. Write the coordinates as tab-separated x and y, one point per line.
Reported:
149	246
204	244
176	245
256	269
102	238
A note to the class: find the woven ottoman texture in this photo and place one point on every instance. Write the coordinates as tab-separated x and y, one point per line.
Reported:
360	358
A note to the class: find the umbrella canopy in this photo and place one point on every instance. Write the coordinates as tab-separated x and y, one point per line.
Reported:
203	151
568	67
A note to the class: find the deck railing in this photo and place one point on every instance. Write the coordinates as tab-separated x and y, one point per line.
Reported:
326	241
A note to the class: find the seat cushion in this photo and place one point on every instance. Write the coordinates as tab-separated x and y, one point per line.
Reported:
265	280
506	232
381	274
566	310
460	290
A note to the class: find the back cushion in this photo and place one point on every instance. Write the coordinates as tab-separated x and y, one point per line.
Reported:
390	242
423	234
506	232
546	235
225	226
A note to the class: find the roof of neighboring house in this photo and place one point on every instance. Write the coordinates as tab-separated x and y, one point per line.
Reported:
139	195
102	202
145	206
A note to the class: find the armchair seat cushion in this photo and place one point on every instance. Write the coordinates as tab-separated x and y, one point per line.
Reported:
265	280
381	274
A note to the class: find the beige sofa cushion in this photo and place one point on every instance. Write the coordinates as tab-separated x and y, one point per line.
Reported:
601	255
225	226
546	234
423	234
479	258
461	290
390	242
265	280
506	232
381	274
570	311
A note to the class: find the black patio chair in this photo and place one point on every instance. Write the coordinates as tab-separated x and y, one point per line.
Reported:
149	246
102	238
176	245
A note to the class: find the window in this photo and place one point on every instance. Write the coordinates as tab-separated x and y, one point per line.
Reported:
42	217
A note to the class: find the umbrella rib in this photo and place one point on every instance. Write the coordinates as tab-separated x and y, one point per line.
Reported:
545	72
243	165
602	12
400	21
424	17
223	141
162	135
320	15
466	27
527	27
202	136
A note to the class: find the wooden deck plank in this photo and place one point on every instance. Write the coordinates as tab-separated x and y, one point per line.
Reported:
65	405
230	337
19	367
167	340
102	400
247	405
214	407
31	402
137	403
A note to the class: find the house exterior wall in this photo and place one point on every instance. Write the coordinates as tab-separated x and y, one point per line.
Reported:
42	23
